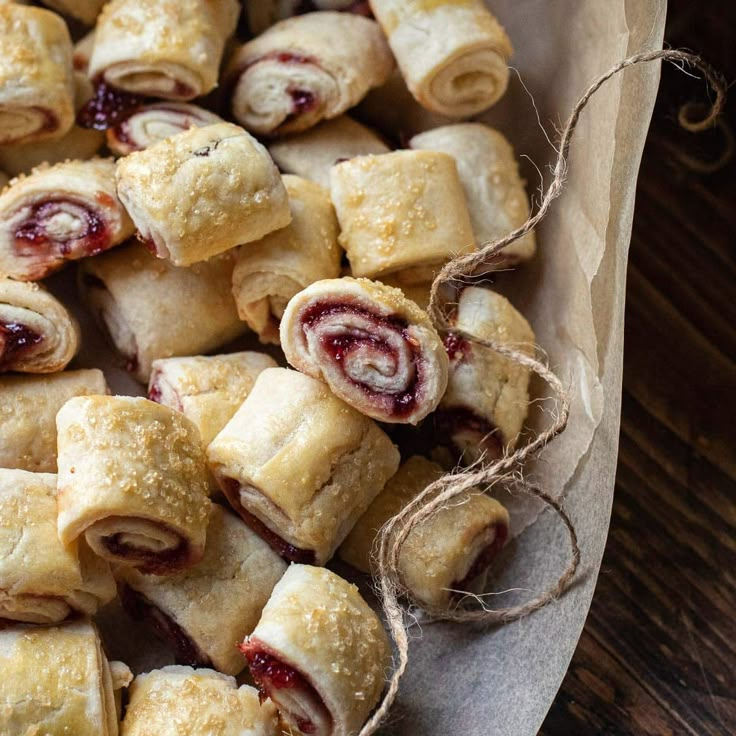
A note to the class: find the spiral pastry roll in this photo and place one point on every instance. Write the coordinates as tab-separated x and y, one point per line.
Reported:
55	680
132	482
299	465
204	612
402	213
487	398
306	69
59	213
78	143
319	653
85	11
156	122
28	408
494	191
453	55
37	333
43	581
207	390
180	701
151	309
202	192
36	84
376	349
162	49
314	152
442	556
268	273
264	13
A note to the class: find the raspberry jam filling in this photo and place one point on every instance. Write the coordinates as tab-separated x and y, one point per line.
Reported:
108	107
457	347
340	346
184	648
454	424
32	236
485	558
15	339
304	101
231	488
156	563
271	675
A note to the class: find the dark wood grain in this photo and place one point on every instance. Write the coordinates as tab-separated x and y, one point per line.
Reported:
658	654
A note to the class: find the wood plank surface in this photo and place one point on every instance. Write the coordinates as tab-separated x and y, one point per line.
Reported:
658	654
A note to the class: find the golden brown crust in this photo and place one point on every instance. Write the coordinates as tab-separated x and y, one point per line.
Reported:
132	481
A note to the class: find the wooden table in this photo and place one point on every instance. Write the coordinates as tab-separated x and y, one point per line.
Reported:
658	654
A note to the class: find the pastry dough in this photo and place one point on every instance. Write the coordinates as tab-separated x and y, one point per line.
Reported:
83	10
180	701
319	652
59	213
314	152
206	611
487	398
489	172
376	349
132	482
162	48
82	53
264	13
207	390
299	465
28	408
202	192
78	143
156	122
268	273
403	213
43	581
37	333
36	84
453	54
151	309
306	69
443	555
55	680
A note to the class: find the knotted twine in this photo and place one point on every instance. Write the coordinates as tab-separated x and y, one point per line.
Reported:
507	469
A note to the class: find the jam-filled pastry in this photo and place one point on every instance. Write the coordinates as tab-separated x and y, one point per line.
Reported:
170	50
132	482
36	84
314	152
37	333
55	680
264	13
180	701
299	465
85	11
151	309
453	55
487	398
442	556
268	273
207	389
59	213
494	190
319	653
77	143
376	349
204	612
28	408
305	69
401	213
42	580
202	192
155	122
419	293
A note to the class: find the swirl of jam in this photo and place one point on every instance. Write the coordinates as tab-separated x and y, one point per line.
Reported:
15	340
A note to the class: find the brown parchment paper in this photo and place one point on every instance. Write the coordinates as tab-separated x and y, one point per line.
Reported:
503	681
